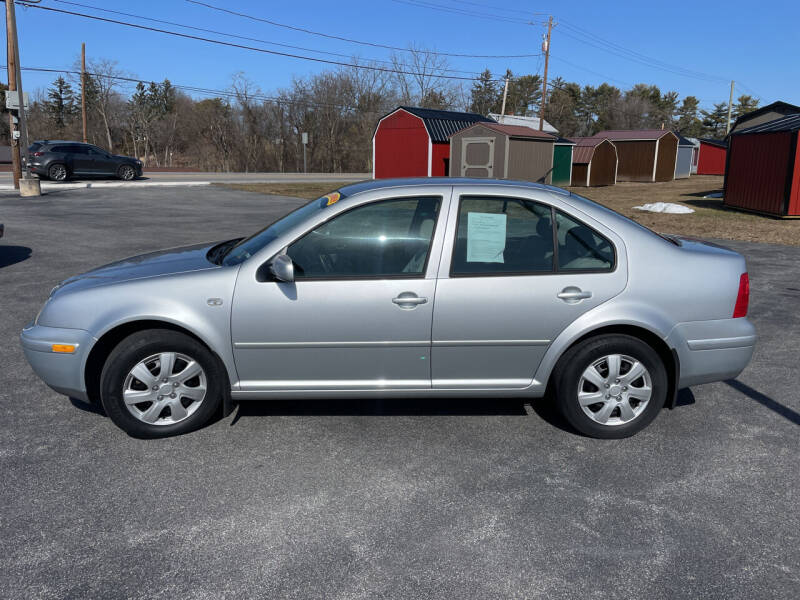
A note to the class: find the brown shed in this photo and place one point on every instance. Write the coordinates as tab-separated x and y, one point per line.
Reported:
644	154
594	162
503	152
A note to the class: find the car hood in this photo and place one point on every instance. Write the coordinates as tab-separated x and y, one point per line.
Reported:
153	264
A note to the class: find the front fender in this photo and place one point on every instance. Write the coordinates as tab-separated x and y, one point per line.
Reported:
182	300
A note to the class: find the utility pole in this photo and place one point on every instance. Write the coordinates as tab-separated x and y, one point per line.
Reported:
546	50
28	186
12	87
304	139
83	90
503	109
730	106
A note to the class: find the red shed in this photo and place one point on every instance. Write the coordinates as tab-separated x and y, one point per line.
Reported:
711	160
415	142
763	170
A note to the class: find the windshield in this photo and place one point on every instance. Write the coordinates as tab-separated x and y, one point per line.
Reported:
250	246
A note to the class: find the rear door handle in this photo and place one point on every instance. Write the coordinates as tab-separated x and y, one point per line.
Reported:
573	294
409	300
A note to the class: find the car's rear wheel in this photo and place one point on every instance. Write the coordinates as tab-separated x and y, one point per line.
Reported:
611	386
57	172
158	383
126	173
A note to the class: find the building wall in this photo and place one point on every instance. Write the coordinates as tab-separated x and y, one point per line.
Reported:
401	147
711	160
562	164
441	159
683	166
579	172
758	171
604	165
667	154
498	151
794	193
635	160
530	160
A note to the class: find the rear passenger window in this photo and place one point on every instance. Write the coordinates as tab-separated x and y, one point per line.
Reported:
502	236
581	248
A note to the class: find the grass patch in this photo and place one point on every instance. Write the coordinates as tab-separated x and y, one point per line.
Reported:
710	220
308	191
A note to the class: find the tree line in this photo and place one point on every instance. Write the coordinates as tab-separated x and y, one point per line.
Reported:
246	129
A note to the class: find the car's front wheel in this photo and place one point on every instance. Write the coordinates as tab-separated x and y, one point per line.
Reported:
57	172
611	386
126	173
158	383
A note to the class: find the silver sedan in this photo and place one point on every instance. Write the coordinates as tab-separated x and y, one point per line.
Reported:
399	288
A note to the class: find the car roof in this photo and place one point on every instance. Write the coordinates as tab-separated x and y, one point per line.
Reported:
62	142
379	184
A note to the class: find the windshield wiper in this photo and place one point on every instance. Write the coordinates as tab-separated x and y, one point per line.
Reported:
218	252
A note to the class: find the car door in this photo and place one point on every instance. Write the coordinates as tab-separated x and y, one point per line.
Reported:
81	161
515	272
102	163
358	314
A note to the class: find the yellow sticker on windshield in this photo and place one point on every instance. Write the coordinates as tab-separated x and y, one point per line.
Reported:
333	198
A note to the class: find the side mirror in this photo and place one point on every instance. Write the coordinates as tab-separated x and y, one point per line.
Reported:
282	268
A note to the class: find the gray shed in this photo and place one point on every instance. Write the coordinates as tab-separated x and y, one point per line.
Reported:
683	162
503	152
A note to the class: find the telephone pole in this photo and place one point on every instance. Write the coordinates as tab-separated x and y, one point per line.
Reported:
503	108
28	186
730	106
83	90
12	87
546	50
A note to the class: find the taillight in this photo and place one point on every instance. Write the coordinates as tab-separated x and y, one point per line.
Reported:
38	154
743	297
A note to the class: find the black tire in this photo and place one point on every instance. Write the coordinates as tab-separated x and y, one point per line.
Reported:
570	371
58	172
126	173
137	347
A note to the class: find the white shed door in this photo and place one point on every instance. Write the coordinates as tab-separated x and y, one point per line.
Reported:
477	157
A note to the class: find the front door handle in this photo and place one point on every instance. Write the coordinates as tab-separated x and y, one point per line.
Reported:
409	300
573	294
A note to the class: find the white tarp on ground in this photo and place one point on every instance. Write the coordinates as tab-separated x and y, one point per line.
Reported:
666	207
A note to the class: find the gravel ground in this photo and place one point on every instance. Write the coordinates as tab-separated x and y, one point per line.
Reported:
370	499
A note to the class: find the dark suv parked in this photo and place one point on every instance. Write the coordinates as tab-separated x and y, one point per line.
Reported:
60	160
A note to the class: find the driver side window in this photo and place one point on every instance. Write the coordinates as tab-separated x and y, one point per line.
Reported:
388	238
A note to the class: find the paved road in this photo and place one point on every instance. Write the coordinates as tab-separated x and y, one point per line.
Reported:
382	499
170	177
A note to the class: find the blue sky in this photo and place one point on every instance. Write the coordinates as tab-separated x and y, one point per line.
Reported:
757	48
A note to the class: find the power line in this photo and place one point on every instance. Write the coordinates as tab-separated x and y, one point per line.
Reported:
242	37
348	40
586	37
465	12
503	8
252	48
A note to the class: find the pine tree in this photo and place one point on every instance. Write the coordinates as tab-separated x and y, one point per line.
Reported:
744	104
483	94
715	120
60	105
689	124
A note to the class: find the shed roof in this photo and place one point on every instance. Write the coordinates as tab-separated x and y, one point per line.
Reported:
441	124
779	107
633	134
788	123
713	142
532	122
562	141
516	131
584	148
682	141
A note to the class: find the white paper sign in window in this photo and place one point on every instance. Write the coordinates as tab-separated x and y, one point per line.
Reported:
486	237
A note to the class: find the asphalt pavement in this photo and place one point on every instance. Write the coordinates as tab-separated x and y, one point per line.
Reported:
414	499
